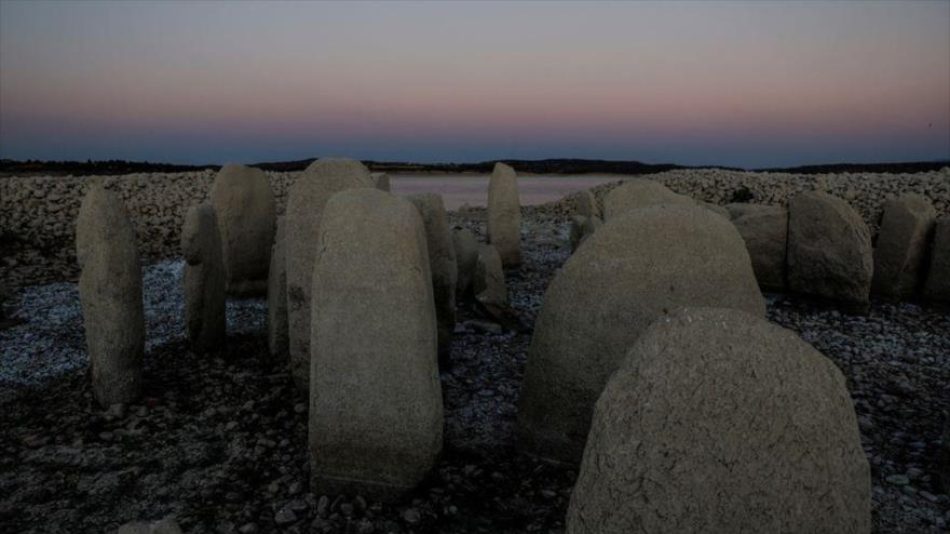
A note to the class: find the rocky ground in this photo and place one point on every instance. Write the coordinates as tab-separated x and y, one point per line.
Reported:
219	441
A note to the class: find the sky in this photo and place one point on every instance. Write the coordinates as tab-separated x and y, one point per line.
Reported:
750	84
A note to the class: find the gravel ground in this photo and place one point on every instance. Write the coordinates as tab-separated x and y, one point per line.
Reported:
219	441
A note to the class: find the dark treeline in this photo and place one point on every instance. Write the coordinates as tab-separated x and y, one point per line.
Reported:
11	167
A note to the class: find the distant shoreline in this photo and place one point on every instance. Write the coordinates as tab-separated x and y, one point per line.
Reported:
10	167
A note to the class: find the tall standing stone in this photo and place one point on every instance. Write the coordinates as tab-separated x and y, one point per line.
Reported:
637	267
110	289
504	214
205	283
245	209
937	287
277	294
375	397
489	285
719	421
466	255
901	248
829	250
442	264
305	202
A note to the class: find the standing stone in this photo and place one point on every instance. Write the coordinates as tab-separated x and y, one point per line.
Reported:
442	264
581	228
305	201
466	255
381	181
636	193
829	250
277	294
245	209
504	214
204	279
937	287
110	289
375	398
584	203
765	232
489	284
719	421
901	249
637	267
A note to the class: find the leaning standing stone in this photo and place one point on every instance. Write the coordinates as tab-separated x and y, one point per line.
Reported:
829	250
245	210
901	248
639	266
375	399
765	232
504	214
719	421
204	279
110	288
305	201
442	264
937	288
466	255
277	294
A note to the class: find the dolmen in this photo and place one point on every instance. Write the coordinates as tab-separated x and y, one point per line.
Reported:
636	193
466	257
246	213
901	249
640	266
277	294
719	421
305	202
442	264
765	232
829	251
204	279
937	286
504	214
375	398
110	290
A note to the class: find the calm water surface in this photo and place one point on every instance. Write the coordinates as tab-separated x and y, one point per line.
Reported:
472	189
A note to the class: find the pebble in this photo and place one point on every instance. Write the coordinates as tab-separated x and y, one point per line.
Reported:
285	516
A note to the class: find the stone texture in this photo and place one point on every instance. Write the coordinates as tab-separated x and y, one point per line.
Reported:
901	248
584	203
163	526
442	264
489	284
636	193
719	421
581	228
110	289
937	287
381	181
715	208
829	250
375	397
466	256
306	199
277	330
636	268
204	279
245	209
765	232
504	214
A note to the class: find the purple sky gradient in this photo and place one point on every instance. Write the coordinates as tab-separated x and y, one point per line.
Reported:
731	83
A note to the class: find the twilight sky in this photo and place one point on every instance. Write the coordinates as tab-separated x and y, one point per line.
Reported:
730	83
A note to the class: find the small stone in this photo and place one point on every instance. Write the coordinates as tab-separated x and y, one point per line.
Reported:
412	516
346	509
248	528
548	494
285	516
323	504
898	480
300	407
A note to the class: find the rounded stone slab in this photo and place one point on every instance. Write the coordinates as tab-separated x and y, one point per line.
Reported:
442	264
901	248
636	193
204	279
765	232
504	214
305	201
637	267
829	250
937	287
719	421
244	205
375	397
110	290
